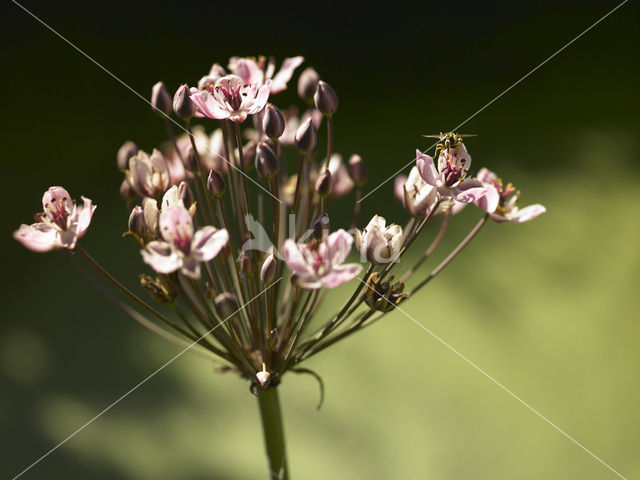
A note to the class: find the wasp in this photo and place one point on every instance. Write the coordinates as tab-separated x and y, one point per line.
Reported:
448	140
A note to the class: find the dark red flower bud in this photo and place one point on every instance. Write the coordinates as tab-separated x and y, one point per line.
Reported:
307	84
273	122
182	104
160	99
326	99
125	152
266	161
323	184
357	170
306	137
216	183
226	305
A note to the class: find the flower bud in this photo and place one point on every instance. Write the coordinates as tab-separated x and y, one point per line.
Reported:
321	227
182	104
249	155
160	99
273	122
323	184
186	195
246	264
137	225
226	305
125	152
357	170
306	137
307	84
268	269
263	378
189	158
151	215
326	99
266	161
216	184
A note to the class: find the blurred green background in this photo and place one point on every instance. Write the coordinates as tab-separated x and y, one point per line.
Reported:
550	308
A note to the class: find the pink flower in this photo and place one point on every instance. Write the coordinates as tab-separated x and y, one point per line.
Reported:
182	248
379	243
148	176
209	80
252	73
450	177
60	225
500	200
322	266
231	98
415	195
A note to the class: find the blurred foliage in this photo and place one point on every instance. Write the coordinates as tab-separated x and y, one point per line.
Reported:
548	308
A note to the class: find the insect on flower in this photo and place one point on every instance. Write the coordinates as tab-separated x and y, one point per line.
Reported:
448	140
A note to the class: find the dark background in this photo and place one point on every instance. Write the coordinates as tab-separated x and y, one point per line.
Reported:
550	308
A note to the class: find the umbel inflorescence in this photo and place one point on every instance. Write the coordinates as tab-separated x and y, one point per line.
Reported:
232	219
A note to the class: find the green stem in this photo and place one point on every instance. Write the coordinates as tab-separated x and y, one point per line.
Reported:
325	165
273	433
242	171
298	184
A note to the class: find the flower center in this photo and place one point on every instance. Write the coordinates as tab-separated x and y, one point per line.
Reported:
318	263
454	170
232	94
181	238
505	191
58	211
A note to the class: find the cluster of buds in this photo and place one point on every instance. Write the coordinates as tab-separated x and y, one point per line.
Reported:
240	241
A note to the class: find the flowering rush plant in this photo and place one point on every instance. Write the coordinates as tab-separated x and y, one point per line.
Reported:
235	238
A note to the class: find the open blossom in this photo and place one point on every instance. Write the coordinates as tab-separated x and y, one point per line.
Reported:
500	201
147	175
177	195
450	175
379	243
60	224
231	97
259	74
322	266
182	248
416	196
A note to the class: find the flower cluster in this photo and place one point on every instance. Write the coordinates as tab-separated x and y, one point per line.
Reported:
239	240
